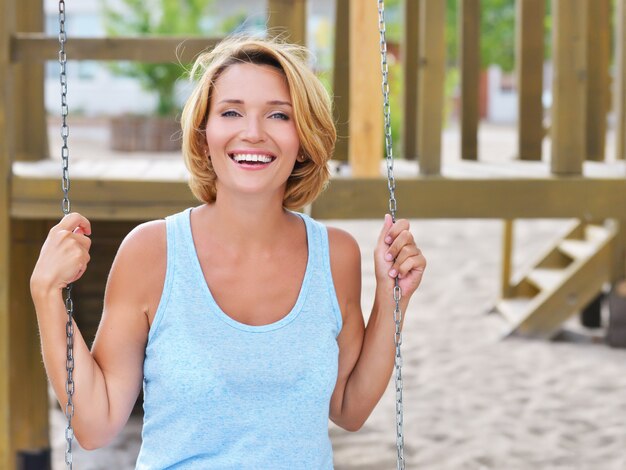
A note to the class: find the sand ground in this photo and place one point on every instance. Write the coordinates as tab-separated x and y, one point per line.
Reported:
472	400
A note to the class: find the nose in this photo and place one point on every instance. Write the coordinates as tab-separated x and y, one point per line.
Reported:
253	131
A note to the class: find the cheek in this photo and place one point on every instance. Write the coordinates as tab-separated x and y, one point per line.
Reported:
291	140
213	138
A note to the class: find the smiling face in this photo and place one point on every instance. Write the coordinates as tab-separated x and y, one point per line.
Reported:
250	132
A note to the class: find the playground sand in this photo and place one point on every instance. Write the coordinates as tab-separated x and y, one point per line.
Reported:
471	400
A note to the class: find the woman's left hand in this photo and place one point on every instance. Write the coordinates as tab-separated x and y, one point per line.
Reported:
397	255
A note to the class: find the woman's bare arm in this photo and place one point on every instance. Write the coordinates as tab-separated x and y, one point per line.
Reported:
366	354
107	379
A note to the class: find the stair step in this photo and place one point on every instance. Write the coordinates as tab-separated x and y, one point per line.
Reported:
577	249
596	233
515	309
546	278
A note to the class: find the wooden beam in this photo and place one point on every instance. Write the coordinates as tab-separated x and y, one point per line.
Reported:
620	81
423	197
341	78
432	73
29	113
366	102
569	85
598	79
470	65
35	47
529	59
435	198
7	20
506	291
410	64
99	199
618	268
287	19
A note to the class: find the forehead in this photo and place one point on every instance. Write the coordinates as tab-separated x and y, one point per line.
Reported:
245	78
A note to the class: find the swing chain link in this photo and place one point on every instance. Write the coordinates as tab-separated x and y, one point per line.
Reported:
65	206
391	184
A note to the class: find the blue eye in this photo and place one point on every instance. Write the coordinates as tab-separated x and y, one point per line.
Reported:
230	114
281	116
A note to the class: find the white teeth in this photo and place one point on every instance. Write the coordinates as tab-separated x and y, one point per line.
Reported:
244	157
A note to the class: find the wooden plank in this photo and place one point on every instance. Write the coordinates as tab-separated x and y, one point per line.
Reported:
474	198
29	113
366	122
36	47
100	199
569	85
410	63
287	19
598	78
341	79
7	20
529	58
423	197
620	81
431	85
618	266
469	51
507	254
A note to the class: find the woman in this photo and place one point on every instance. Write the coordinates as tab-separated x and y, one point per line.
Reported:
240	318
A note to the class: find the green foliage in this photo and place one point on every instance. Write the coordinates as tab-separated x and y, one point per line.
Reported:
396	80
497	32
156	17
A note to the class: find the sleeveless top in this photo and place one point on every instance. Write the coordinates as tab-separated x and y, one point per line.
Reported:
223	395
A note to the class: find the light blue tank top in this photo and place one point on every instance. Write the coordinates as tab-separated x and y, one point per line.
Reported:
223	395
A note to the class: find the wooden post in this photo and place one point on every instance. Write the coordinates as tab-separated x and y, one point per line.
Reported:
23	385
529	35
432	73
569	86
288	18
618	268
29	386
598	78
366	101
410	64
469	48
620	81
341	78
507	255
31	133
7	20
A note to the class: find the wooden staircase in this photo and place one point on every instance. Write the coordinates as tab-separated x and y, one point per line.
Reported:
569	275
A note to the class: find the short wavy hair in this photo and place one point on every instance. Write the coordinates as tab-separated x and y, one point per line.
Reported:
312	115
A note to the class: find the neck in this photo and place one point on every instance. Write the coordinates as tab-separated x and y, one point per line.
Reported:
253	222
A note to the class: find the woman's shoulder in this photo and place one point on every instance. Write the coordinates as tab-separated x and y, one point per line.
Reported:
145	239
345	253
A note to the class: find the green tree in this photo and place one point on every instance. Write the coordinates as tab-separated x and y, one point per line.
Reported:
156	17
497	32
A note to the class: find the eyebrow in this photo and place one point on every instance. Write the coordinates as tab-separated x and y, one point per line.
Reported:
272	102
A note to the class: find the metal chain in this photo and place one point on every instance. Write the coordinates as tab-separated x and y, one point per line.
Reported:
391	184
65	206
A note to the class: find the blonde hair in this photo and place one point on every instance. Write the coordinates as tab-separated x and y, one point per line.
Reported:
311	107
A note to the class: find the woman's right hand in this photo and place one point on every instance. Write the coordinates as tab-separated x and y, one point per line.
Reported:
64	255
